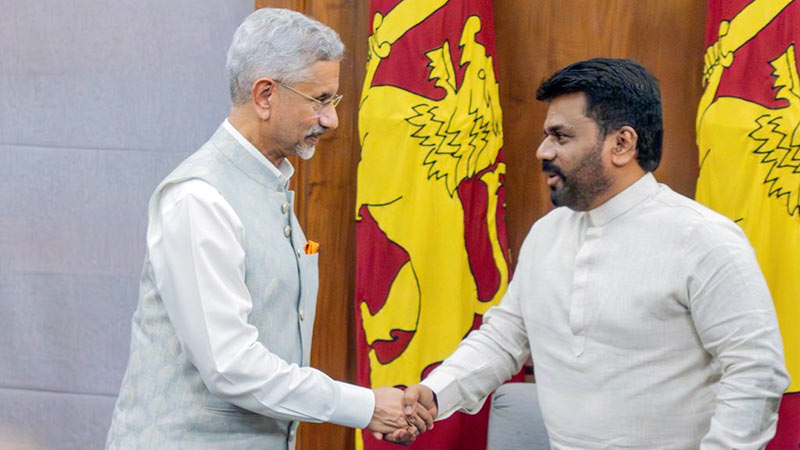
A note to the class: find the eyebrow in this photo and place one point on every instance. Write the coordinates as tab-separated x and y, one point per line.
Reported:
557	128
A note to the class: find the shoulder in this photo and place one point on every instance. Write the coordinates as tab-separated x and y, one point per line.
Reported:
197	166
193	188
198	202
698	229
690	215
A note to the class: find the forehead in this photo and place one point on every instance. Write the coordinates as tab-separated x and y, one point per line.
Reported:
568	110
322	76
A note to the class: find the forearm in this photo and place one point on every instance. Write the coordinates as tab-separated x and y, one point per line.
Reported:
261	382
482	362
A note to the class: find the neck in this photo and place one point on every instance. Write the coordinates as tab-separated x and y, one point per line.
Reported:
253	129
622	180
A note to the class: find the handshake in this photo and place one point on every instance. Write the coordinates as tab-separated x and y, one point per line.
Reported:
400	416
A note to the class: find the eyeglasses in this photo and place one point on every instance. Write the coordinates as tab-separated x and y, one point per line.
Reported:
318	104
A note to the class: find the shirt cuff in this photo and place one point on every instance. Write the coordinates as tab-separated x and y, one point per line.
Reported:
446	390
355	408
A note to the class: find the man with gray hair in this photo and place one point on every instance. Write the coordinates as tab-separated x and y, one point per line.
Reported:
221	336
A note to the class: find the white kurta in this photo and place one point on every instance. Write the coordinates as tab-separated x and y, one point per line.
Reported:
649	323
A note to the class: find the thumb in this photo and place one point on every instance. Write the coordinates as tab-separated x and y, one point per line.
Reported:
377	435
410	396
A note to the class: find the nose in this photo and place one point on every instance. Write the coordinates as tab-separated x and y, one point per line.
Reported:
328	117
546	150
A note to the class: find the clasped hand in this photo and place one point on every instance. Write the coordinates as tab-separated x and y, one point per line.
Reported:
399	416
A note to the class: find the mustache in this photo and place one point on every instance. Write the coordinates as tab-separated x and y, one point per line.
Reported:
549	167
317	131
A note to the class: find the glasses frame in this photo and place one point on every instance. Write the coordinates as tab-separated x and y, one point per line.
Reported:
318	104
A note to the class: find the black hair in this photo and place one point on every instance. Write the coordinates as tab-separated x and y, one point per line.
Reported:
618	92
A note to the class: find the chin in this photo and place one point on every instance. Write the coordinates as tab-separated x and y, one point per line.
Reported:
305	152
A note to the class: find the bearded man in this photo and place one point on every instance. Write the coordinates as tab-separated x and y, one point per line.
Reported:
646	314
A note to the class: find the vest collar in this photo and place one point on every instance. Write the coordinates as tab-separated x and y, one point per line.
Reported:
248	163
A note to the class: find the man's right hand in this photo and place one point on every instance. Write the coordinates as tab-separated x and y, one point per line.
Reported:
418	403
394	422
389	420
422	395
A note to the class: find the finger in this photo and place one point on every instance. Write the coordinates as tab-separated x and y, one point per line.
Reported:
416	421
400	436
377	435
410	396
425	415
433	411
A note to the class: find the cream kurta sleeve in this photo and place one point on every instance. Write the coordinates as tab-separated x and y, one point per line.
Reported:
484	360
735	319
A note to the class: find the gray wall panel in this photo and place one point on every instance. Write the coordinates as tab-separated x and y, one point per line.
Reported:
147	74
100	100
76	211
67	333
36	420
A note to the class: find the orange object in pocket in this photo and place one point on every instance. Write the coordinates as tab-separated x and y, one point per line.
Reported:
312	247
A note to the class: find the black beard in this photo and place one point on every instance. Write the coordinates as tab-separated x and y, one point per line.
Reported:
584	183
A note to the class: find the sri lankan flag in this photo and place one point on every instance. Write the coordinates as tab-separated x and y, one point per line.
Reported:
430	232
748	135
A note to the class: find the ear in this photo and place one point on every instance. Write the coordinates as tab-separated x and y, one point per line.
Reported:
262	96
624	150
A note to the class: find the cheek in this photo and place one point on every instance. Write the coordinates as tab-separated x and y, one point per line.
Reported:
307	122
298	117
567	159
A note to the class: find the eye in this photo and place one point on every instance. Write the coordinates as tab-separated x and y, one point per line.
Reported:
557	134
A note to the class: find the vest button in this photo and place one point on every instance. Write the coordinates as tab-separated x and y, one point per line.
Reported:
285	208
287	231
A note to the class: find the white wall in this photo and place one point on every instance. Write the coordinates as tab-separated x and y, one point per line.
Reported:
98	101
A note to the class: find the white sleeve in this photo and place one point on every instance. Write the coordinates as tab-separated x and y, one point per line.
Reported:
483	361
734	316
195	245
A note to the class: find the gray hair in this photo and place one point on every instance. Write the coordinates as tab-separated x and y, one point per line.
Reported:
280	44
